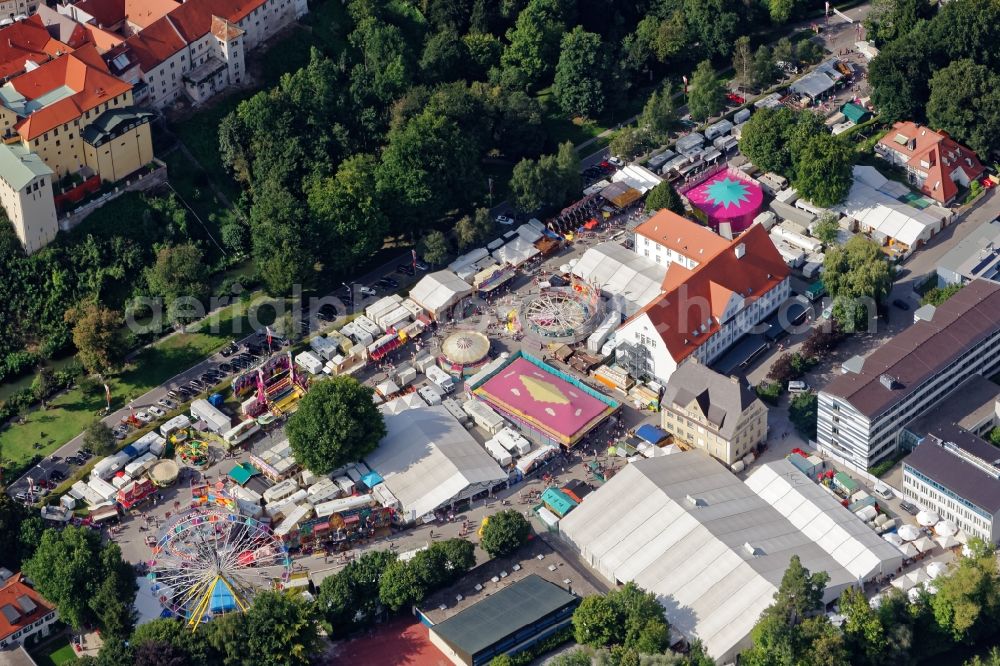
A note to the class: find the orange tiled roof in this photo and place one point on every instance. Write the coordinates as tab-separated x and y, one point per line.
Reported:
682	235
138	12
12	593
26	40
693	298
155	44
102	39
194	18
83	72
942	155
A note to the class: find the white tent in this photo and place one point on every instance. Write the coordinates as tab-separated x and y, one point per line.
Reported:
884	216
854	545
946	542
438	292
686	529
893	538
516	252
908	550
926	518
935	569
903	583
428	460
908	532
637	177
924	544
620	272
946	528
529	233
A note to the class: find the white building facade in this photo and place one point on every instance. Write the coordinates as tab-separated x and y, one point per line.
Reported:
26	197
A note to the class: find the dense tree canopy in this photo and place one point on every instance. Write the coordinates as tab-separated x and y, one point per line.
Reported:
858	277
664	196
626	617
581	74
823	169
86	580
97	336
965	102
706	94
336	423
505	532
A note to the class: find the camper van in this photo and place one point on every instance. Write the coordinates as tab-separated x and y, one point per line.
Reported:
440	378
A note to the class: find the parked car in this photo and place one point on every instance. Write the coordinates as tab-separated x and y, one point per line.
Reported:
901	304
73	460
908	508
56	475
368	291
883	491
167	404
735	99
614	160
421	266
156	412
144	416
390	281
504	219
797	387
405	269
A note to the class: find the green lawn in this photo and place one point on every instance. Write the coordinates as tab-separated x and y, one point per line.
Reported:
54	654
69	414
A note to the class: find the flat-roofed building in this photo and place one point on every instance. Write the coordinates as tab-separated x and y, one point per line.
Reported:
861	414
506	622
957	474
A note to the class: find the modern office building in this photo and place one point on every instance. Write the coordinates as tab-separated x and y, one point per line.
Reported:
957	474
720	415
862	412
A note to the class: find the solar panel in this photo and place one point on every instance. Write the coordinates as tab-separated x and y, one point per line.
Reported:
26	604
10	613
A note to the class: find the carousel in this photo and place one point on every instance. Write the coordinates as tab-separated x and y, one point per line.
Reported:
464	353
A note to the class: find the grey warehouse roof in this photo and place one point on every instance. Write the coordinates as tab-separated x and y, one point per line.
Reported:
978	254
503	613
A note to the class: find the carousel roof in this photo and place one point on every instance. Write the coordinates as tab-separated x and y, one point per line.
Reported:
466	347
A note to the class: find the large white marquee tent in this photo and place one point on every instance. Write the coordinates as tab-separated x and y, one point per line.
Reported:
712	551
621	272
438	292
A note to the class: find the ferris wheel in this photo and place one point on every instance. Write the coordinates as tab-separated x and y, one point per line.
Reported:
212	561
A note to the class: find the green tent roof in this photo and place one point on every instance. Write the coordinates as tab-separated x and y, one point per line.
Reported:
242	473
558	501
855	113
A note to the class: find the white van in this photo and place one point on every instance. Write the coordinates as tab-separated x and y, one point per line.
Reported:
797	387
440	378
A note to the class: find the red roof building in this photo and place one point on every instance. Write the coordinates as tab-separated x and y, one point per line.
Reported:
704	310
936	163
26	41
23	612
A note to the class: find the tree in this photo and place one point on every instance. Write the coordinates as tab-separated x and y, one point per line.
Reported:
284	250
85	580
706	95
626	617
823	170
534	42
336	423
743	62
827	229
97	336
764	139
348	213
784	51
889	20
526	186
628	143
444	58
280	629
780	10
99	438
169	632
858	277
460	555
179	271
965	102
400	586
349	599
802	414
152	653
713	24
789	627
581	74
967	602
765	71
434	248
808	51
664	196
20	530
474	229
939	295
505	532
42	385
550	181
864	632
659	114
